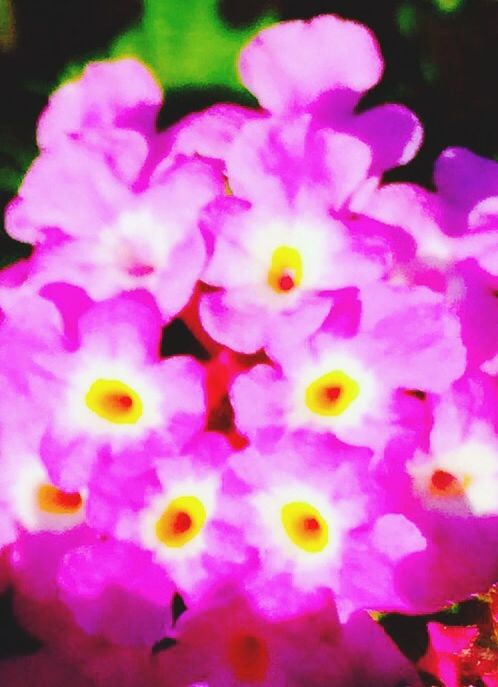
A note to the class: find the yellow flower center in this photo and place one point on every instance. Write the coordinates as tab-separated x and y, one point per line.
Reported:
286	269
305	526
52	500
248	658
114	401
181	522
331	394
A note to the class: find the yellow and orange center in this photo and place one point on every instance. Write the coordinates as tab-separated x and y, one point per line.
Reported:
445	484
305	526
331	394
248	657
181	522
286	269
114	401
52	500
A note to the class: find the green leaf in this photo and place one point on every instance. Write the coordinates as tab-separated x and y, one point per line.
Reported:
448	6
187	44
407	18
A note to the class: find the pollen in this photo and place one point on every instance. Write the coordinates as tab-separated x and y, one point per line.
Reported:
52	500
286	269
305	526
114	401
331	394
248	657
181	522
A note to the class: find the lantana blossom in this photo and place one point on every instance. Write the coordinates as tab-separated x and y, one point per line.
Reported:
112	388
328	445
346	385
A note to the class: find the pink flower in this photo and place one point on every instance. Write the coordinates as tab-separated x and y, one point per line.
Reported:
449	491
179	511
110	110
407	339
114	391
100	210
107	237
226	642
456	222
327	83
291	241
316	522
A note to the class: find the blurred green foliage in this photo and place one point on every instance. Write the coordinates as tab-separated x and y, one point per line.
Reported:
448	5
407	18
187	43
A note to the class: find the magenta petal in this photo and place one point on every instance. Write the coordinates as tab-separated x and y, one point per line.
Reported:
108	94
69	460
287	83
377	660
69	189
414	336
209	133
115	590
241	330
465	178
175	286
258	399
347	161
129	322
393	132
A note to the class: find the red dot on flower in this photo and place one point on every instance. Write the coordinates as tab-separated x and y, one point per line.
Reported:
182	523
332	393
311	525
443	483
286	282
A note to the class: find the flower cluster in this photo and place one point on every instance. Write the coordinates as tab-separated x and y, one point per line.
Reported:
332	447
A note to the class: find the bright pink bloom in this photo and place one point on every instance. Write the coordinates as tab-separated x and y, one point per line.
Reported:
179	510
228	643
449	490
287	239
103	108
106	216
288	86
108	238
324	82
456	222
114	391
35	559
327	83
407	339
315	521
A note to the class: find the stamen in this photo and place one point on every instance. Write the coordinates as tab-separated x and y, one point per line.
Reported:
114	401
181	522
286	282
331	394
444	484
286	269
305	526
50	499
